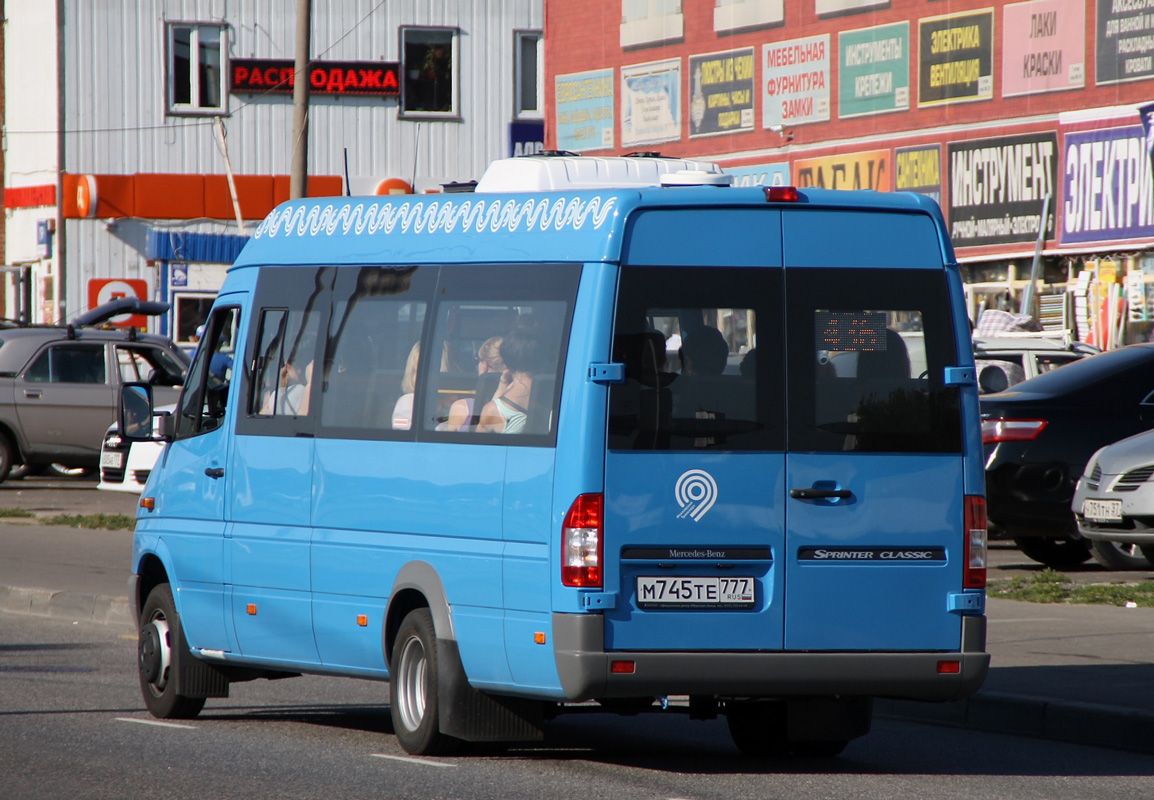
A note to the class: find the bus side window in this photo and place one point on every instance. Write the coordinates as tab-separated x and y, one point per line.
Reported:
499	337
376	324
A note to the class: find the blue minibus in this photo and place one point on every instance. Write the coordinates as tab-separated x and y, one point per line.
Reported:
606	433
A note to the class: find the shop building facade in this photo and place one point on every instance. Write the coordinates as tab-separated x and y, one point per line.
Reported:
1011	115
142	142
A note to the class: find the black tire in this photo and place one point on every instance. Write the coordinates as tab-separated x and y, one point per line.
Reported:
7	457
1148	551
413	688
1053	551
1120	555
824	749
758	729
159	635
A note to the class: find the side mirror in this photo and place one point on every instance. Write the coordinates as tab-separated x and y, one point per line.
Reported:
135	418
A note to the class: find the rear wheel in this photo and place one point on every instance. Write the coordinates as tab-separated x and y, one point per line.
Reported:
413	688
1053	551
758	729
156	654
1120	555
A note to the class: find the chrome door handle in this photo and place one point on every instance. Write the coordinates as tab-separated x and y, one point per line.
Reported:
33	393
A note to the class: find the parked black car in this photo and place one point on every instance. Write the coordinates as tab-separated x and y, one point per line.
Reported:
1038	437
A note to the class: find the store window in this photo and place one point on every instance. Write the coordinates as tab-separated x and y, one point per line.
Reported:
646	22
530	90
430	65
196	69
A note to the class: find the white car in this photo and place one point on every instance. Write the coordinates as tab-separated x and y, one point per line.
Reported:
1114	498
125	466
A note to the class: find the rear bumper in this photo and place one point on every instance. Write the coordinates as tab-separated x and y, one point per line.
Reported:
584	668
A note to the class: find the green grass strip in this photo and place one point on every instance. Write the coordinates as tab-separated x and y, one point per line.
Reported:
15	512
1051	586
108	522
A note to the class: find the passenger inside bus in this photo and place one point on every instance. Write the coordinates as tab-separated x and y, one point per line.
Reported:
508	411
490	368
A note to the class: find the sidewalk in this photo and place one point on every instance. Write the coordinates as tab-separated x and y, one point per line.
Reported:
1081	674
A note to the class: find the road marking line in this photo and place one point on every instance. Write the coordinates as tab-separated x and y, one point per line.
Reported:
156	722
424	761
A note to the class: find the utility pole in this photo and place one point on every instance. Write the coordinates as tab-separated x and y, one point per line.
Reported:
299	178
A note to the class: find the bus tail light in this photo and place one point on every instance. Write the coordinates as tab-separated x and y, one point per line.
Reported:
974	576
581	543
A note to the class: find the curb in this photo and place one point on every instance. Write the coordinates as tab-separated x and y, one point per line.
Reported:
1033	717
46	603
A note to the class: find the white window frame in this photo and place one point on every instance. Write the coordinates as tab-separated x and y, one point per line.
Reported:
196	30
519	75
454	111
650	22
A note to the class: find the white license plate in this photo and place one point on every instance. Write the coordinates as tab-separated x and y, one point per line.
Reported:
1102	510
694	592
112	459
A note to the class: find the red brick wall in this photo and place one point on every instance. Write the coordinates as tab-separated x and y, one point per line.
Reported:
586	36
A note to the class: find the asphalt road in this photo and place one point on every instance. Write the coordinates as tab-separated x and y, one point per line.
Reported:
72	725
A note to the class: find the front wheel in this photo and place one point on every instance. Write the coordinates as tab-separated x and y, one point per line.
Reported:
1053	551
1120	555
413	688
7	457
156	654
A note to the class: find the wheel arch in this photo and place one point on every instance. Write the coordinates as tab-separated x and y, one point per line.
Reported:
12	434
417	585
150	573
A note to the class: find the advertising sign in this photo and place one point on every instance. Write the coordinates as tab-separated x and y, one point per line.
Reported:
919	169
378	78
721	93
956	58
760	175
583	109
873	70
868	170
796	79
526	137
651	102
1106	186
998	187
1043	46
1124	41
105	290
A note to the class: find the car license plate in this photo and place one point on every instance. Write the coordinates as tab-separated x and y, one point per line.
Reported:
112	460
1102	510
694	592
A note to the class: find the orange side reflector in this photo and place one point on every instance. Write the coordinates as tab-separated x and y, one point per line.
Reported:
622	667
363	620
251	609
539	638
949	667
148	503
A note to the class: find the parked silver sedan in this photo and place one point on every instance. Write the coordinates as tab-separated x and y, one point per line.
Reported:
1114	498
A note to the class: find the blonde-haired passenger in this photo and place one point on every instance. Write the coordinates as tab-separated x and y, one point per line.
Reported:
461	416
403	410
